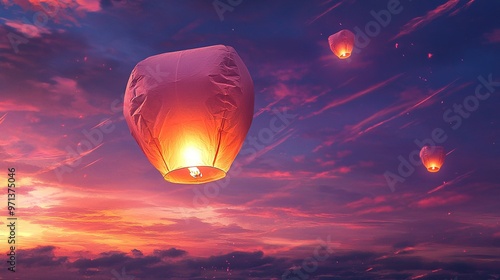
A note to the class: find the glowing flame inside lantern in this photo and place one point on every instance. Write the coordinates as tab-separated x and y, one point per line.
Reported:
195	172
344	54
192	157
433	168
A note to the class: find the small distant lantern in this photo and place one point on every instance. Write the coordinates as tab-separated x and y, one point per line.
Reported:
342	43
190	111
432	157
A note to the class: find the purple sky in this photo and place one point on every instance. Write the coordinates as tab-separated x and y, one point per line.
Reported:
311	201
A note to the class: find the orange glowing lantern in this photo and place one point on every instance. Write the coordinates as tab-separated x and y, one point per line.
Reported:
342	43
432	157
190	111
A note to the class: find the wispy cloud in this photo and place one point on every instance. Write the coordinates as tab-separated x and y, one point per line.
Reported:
421	21
280	140
437	201
79	5
451	182
29	30
12	106
493	36
376	210
464	7
2	118
325	12
405	111
58	97
352	97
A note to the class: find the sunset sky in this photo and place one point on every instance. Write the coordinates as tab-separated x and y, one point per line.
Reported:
332	195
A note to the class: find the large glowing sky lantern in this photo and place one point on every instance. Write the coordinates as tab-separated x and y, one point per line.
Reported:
190	111
432	157
342	43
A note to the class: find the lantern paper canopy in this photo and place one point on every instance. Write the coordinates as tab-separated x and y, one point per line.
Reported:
190	111
342	43
432	157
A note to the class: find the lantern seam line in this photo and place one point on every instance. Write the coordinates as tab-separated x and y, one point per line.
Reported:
159	150
176	75
220	137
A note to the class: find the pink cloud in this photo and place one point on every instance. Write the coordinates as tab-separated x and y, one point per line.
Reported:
341	154
299	158
408	124
29	30
325	175
379	209
12	106
280	91
79	5
271	174
324	12
466	6
181	33
407	110
296	96
451	182
441	200
404	250
493	36
344	169
330	140
366	163
296	175
293	73
352	97
352	132
61	97
276	143
421	21
325	163
367	201
27	144
2	118
58	10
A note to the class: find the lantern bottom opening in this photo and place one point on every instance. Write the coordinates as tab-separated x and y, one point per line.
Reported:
433	169
344	55
184	175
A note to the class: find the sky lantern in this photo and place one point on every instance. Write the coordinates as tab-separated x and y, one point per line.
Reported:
190	111
432	157
342	43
